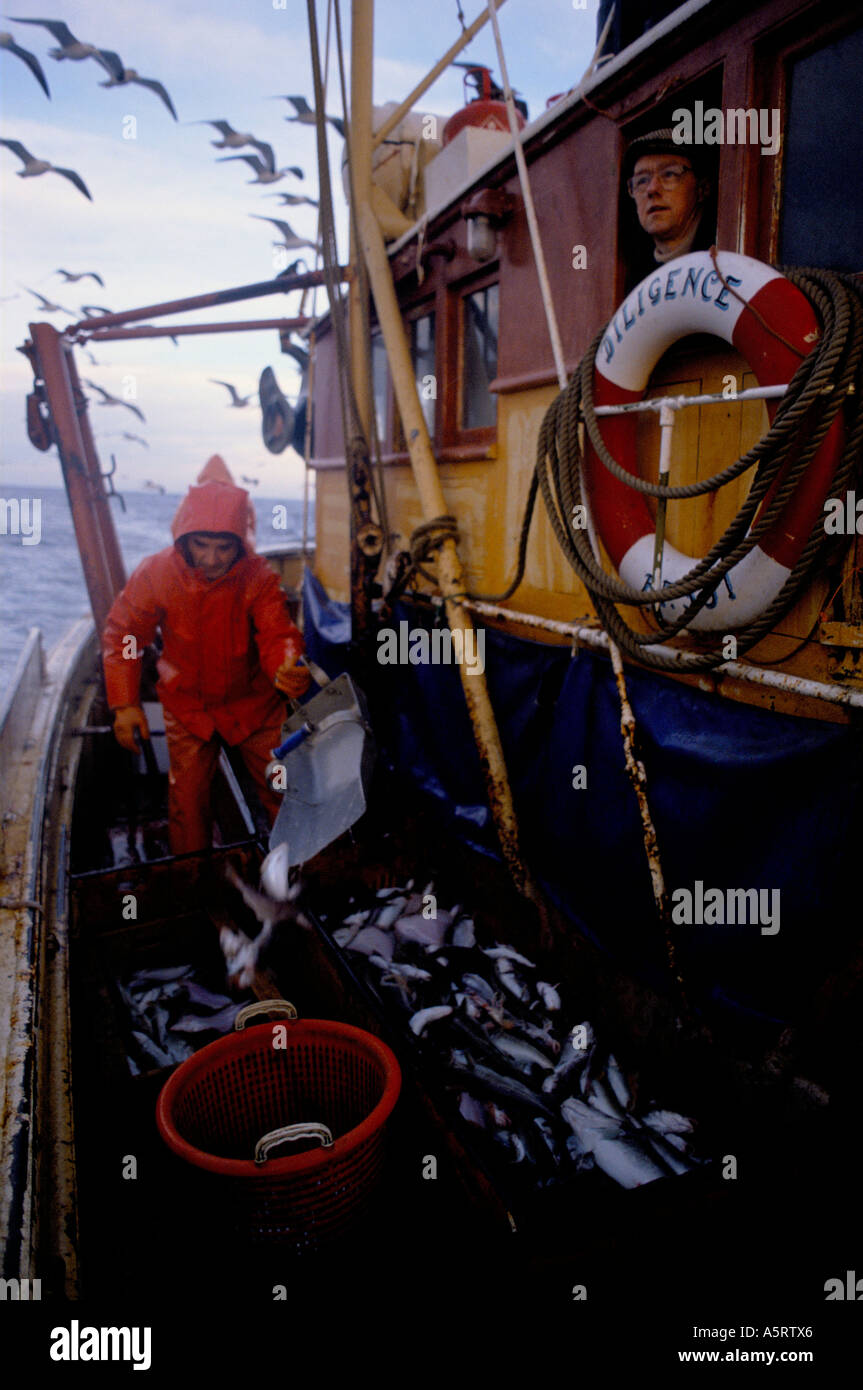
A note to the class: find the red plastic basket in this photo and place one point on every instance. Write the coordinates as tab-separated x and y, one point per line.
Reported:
219	1103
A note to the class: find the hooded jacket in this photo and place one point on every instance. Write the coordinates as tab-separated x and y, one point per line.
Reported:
223	639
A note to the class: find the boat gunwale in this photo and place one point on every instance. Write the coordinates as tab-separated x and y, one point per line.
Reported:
65	666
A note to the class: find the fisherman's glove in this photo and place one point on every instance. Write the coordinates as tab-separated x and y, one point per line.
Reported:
128	719
292	680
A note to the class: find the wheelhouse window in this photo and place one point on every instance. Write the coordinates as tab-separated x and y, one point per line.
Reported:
479	358
822	200
420	330
422	345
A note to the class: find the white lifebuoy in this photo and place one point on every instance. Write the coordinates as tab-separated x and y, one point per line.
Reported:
687	296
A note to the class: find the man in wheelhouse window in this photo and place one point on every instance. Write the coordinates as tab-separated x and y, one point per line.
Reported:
672	196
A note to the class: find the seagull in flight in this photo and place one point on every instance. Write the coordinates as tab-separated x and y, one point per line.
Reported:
253	482
154	487
134	438
175	341
289	236
297	267
70	47
71	276
34	167
293	199
8	41
113	400
265	172
47	305
128	75
299	354
237	401
232	139
306	114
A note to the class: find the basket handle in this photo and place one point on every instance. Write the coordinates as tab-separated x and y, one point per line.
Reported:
311	1129
263	1006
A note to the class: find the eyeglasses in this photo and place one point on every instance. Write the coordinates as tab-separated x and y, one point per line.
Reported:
669	177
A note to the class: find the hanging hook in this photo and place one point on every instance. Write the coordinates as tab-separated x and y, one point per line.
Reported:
110	490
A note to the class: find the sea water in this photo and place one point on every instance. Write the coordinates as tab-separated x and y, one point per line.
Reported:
41	579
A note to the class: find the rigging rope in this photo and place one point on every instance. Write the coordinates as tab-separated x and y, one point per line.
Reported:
347	399
376	474
356	446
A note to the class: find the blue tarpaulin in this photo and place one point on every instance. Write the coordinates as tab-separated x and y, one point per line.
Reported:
326	626
742	798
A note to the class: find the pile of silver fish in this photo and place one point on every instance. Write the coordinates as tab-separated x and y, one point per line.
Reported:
543	1093
169	1011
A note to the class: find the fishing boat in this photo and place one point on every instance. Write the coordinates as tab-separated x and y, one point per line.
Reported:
651	800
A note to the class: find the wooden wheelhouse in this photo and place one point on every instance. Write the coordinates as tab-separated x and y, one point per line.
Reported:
480	342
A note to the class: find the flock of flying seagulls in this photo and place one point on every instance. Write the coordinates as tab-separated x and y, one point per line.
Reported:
237	402
262	162
70	47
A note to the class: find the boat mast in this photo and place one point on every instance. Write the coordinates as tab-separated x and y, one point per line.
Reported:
366	535
423	463
360	154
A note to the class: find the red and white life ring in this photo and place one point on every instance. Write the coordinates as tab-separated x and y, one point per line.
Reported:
687	296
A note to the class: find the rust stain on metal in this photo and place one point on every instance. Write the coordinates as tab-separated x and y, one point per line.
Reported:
638	777
495	778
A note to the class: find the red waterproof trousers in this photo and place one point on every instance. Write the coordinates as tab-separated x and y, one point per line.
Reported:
193	766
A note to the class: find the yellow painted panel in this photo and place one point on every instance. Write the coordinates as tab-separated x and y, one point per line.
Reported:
706	439
488	496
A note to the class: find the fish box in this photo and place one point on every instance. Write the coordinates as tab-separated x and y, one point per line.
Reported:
541	1197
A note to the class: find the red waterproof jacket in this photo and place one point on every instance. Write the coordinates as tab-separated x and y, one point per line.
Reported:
224	639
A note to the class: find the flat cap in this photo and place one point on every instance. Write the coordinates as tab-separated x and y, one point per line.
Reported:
661	142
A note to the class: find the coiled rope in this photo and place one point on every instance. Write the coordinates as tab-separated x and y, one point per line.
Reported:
827	379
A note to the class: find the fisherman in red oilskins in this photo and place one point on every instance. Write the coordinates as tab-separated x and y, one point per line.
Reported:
228	646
